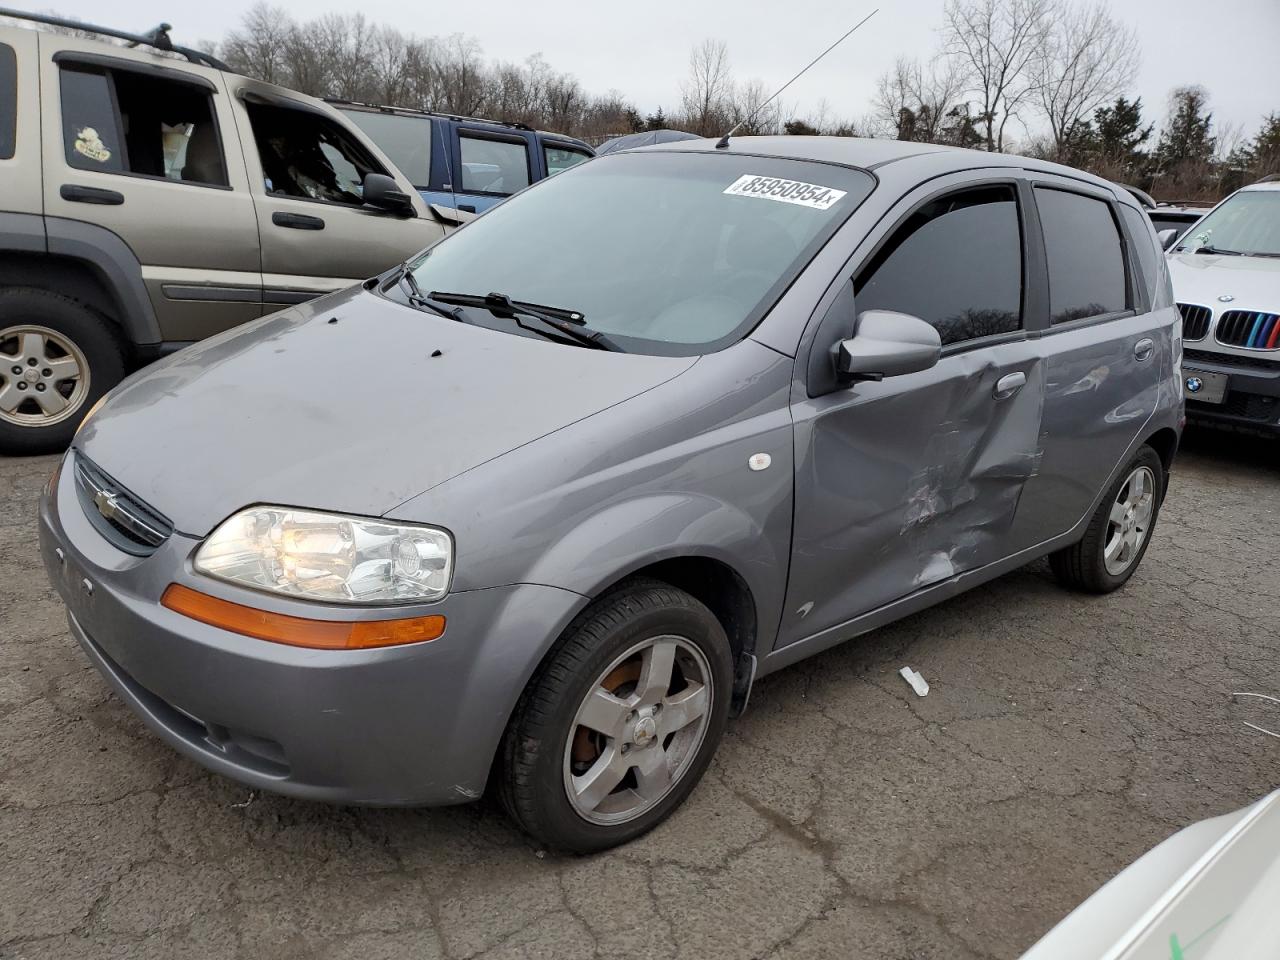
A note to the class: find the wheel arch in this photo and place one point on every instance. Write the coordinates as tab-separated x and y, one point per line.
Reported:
1165	443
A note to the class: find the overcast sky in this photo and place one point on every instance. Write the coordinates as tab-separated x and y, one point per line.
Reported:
642	49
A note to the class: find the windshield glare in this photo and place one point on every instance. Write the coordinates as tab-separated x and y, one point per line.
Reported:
666	253
1248	222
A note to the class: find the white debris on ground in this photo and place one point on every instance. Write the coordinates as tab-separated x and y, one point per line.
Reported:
918	683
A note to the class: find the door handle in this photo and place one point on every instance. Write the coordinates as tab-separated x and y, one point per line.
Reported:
1143	349
78	194
1009	384
298	221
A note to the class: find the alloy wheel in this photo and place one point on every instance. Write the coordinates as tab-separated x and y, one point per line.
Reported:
44	376
638	730
1130	521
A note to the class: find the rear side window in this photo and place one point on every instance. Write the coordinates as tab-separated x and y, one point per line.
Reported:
8	101
956	262
494	166
1086	257
562	158
116	121
1144	240
308	156
405	140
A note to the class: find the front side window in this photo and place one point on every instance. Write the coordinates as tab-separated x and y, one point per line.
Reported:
1246	223
562	158
493	166
404	139
309	157
8	100
956	263
672	253
1085	253
118	121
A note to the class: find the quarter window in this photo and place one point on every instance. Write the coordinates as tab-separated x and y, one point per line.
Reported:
956	263
309	157
122	122
494	166
8	101
1085	253
562	158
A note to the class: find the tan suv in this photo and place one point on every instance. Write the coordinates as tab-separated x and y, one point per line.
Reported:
148	201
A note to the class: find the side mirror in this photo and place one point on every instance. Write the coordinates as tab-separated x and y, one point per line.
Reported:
888	344
1167	239
384	193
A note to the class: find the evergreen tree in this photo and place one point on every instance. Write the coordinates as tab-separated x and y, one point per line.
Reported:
1186	138
1116	135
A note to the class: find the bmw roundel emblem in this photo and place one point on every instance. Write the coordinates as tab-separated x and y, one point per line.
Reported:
1194	384
1226	298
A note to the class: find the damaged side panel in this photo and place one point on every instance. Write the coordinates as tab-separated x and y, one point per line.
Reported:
907	482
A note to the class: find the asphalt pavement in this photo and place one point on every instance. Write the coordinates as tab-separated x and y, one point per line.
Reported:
843	817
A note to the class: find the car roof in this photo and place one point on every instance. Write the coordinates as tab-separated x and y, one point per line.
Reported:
869	154
360	105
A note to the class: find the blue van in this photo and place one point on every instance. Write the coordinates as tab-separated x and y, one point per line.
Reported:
464	163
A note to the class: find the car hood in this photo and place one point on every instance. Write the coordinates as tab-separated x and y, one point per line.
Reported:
352	404
1253	283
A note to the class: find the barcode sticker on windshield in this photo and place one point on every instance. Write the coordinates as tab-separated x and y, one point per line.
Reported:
786	191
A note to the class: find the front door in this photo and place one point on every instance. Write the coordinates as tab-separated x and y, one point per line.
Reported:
306	167
905	483
149	152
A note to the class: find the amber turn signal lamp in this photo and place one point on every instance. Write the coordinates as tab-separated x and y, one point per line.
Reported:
299	631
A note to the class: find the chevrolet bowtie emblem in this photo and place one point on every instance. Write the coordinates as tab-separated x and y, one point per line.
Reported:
106	503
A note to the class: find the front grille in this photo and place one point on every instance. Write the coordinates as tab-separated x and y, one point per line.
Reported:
1245	328
1231	359
1195	320
117	514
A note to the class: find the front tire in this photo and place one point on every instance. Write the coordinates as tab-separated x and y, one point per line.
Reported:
57	358
1119	532
617	727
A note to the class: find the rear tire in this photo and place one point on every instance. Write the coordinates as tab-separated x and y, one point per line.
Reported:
57	359
618	725
1119	531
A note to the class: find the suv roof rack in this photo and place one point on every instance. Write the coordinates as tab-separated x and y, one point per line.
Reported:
157	38
387	108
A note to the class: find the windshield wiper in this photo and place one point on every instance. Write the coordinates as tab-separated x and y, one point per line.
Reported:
568	323
1207	248
409	283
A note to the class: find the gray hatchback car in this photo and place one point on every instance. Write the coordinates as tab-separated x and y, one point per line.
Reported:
542	520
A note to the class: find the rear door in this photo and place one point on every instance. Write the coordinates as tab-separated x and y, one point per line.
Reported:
907	482
147	148
1102	357
306	166
19	123
490	163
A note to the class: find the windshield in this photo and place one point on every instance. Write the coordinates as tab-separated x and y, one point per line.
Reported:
1248	223
665	253
405	140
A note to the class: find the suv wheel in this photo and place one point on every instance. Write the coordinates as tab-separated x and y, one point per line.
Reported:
56	359
1118	535
619	724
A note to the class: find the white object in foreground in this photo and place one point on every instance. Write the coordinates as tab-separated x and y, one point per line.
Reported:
1209	892
918	683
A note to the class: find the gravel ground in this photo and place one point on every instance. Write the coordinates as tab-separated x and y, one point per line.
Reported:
843	817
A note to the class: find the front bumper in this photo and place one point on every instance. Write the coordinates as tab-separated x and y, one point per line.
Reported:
417	724
1252	401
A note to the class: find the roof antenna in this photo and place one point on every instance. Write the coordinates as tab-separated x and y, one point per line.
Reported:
723	143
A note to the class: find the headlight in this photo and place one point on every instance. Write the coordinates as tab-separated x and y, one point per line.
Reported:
329	557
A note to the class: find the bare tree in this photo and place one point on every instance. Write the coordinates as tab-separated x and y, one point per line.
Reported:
1089	59
999	43
258	47
914	104
708	92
